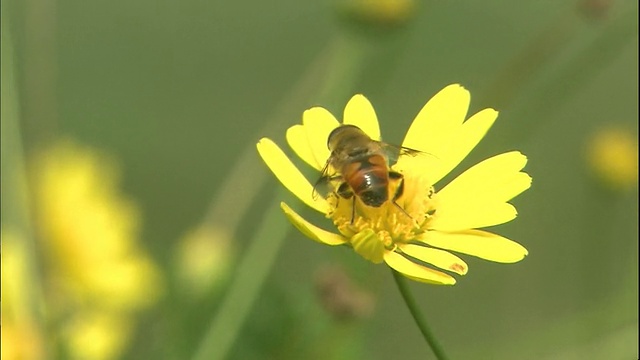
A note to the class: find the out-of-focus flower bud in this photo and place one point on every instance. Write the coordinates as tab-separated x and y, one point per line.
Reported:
340	296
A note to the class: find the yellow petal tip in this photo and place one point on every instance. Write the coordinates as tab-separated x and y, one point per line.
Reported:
311	231
460	269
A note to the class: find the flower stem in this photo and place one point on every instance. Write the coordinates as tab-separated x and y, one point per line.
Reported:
428	335
16	211
250	276
339	71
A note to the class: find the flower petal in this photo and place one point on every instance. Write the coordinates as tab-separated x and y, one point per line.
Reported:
477	198
415	271
460	216
318	123
360	113
455	148
310	230
497	178
440	258
297	139
426	165
478	243
438	119
289	175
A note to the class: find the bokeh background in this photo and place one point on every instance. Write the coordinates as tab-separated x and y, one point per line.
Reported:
139	223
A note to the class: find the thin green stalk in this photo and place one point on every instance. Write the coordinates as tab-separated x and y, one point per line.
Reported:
40	75
16	212
528	63
587	63
251	273
559	87
428	335
328	78
258	259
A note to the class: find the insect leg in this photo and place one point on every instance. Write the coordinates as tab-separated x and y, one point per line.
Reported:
324	186
345	192
353	210
399	191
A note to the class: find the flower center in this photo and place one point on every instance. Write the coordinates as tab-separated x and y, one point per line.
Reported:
373	230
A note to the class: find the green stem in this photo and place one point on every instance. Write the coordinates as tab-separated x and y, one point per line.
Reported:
557	88
328	78
16	211
250	275
258	259
528	63
401	281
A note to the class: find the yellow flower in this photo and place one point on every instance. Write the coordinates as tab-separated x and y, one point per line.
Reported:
429	223
21	336
90	230
97	276
613	156
203	258
97	336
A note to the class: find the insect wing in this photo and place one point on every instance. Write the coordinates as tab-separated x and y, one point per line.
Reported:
394	152
323	185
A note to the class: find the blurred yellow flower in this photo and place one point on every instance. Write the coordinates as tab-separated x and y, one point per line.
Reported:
21	338
202	259
426	223
97	335
613	157
94	263
379	12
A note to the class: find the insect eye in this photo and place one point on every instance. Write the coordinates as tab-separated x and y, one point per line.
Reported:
332	134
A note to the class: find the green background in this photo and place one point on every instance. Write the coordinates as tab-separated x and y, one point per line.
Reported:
176	91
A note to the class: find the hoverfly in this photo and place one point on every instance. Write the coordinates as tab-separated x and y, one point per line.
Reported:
360	168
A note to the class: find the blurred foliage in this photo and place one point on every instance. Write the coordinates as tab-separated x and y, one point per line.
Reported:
177	93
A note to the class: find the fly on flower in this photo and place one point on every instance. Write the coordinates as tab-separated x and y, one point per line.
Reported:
360	166
399	214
